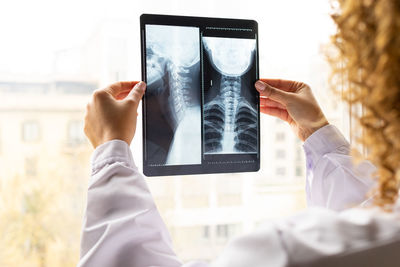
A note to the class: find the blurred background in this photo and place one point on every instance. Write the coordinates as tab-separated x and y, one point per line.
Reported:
53	54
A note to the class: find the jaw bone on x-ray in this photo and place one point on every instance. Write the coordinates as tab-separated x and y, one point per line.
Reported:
230	116
173	73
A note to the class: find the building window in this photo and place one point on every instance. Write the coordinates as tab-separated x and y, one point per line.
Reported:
31	166
280	154
206	232
222	231
30	131
299	153
299	171
281	171
280	136
75	133
226	231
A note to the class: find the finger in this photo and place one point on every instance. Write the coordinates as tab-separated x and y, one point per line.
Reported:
285	85
122	95
271	92
120	90
127	87
136	94
276	112
100	95
267	102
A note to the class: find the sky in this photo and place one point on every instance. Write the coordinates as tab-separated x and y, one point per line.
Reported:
32	30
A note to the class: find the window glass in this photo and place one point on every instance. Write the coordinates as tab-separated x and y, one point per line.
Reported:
30	131
299	170
280	171
222	231
280	136
206	231
52	62
31	166
280	154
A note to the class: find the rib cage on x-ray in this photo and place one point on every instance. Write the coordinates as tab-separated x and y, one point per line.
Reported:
230	116
174	131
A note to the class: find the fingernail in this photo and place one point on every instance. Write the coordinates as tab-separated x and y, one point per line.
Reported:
260	85
141	86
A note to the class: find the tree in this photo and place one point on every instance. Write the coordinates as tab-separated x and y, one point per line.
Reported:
40	217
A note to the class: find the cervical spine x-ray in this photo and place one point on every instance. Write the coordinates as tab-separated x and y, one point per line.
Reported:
173	93
230	108
177	131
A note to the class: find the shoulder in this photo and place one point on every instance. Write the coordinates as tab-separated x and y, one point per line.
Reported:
318	232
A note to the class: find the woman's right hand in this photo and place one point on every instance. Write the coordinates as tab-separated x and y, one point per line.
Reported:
112	112
292	102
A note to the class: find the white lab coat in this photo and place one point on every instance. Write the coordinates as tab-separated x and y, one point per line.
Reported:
122	226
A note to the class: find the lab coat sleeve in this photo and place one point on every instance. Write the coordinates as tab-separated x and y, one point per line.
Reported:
354	237
334	180
315	237
122	226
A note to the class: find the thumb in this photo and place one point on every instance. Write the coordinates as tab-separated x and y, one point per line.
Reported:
136	93
271	92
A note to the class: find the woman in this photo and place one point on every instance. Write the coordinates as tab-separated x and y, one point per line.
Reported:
123	227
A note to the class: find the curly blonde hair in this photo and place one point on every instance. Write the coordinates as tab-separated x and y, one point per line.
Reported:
367	43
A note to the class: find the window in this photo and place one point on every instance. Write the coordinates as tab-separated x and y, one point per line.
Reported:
281	171
206	232
30	131
31	166
299	171
280	136
222	231
75	133
43	103
226	231
280	154
299	153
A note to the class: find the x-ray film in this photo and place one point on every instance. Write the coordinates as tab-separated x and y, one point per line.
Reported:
201	111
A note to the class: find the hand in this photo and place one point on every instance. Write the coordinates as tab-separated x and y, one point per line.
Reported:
292	102
112	112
